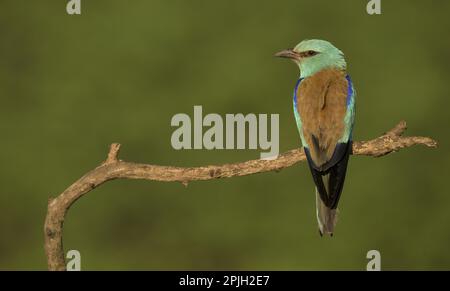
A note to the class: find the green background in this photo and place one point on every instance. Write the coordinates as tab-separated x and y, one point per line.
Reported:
71	85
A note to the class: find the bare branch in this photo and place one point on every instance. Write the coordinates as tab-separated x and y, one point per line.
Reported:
113	168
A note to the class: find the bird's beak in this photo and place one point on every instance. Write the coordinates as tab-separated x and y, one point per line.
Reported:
289	53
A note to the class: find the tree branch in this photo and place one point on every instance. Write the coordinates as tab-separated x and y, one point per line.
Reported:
113	168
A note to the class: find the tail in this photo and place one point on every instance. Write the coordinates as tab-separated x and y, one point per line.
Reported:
326	217
329	180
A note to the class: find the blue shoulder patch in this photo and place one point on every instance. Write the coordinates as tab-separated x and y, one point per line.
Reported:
349	90
295	91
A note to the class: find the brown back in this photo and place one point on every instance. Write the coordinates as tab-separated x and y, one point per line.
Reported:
321	103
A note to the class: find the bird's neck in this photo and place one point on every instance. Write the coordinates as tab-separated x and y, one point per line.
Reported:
310	68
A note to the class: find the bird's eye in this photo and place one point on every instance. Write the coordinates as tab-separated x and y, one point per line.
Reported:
310	53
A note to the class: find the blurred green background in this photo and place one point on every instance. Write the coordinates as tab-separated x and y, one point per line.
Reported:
71	85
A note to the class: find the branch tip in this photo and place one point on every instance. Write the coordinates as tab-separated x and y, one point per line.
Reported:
398	130
113	155
431	143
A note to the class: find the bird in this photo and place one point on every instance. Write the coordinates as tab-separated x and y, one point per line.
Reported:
324	110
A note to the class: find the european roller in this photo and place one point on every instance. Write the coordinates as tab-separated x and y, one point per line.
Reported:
324	109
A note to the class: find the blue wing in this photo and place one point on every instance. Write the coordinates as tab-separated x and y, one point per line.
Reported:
297	115
350	114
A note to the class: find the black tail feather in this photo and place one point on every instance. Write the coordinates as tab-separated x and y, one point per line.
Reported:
337	172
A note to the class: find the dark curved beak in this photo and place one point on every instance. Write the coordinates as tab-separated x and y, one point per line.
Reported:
289	54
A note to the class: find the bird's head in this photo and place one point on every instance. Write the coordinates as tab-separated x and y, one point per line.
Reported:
314	55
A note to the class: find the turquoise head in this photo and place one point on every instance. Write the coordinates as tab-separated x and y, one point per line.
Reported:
314	55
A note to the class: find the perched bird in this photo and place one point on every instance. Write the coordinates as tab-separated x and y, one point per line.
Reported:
324	109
